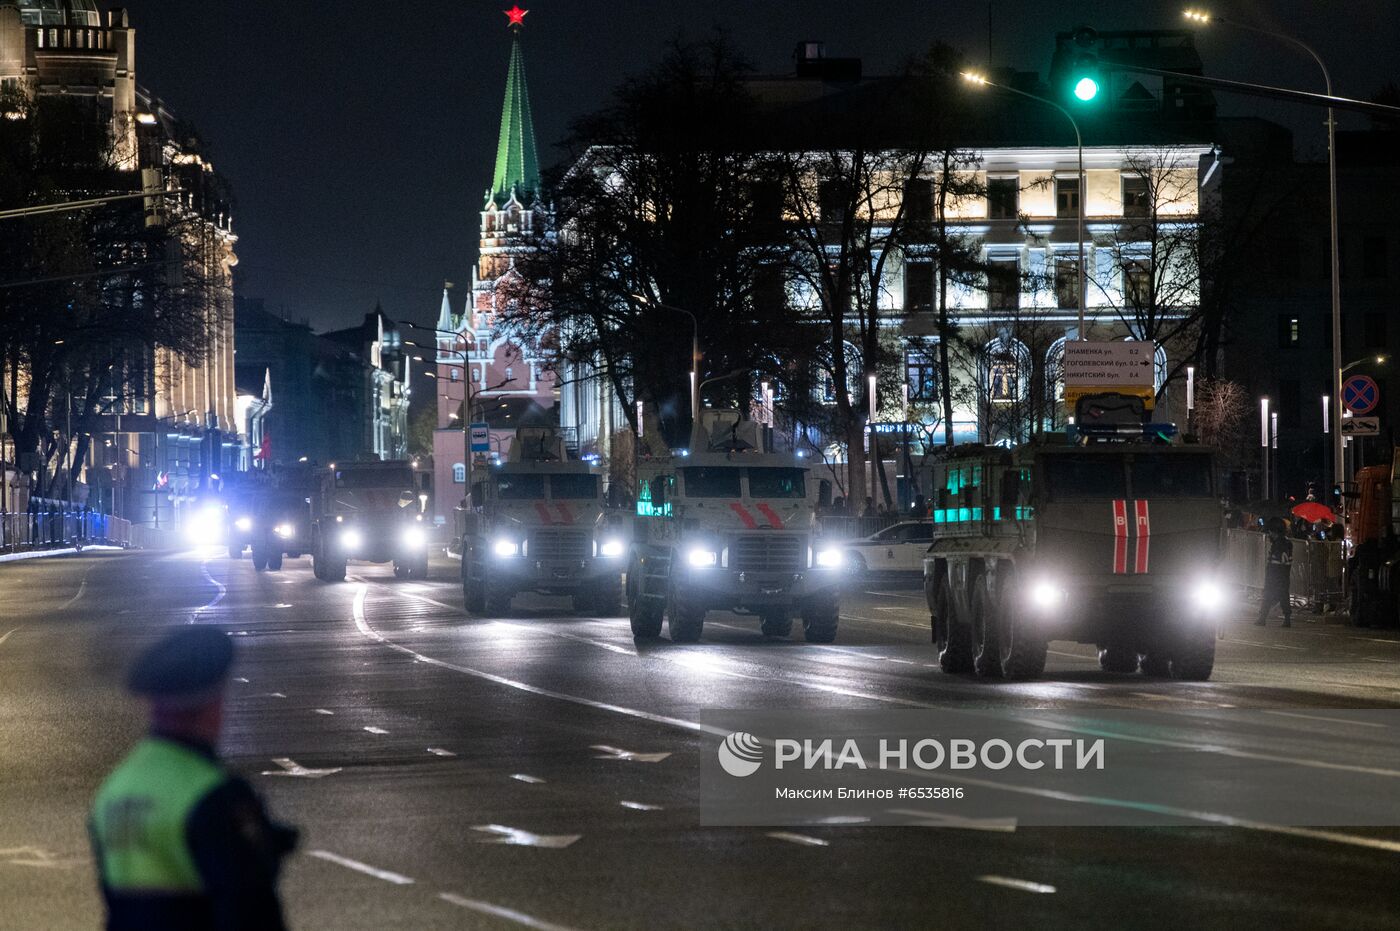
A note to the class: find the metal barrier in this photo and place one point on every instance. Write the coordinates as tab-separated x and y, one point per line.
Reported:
1315	579
61	525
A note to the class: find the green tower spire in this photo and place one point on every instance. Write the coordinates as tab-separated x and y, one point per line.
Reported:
517	167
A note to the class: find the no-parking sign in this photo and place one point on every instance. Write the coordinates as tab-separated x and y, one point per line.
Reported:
1360	394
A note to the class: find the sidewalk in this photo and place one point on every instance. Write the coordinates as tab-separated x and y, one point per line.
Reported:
65	551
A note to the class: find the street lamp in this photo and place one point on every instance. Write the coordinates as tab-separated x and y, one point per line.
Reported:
1378	360
695	386
1205	18
1081	89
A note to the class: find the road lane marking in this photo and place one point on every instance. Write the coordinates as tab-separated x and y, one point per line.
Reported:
1022	885
1377	659
803	839
376	730
240	679
925	818
1267	646
617	753
518	837
7	635
324	711
532	780
438	751
291	767
362	624
397	879
1153	696
275	695
1318	717
82	587
221	591
641	806
500	911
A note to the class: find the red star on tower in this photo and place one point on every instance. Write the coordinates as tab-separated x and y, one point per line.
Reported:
516	15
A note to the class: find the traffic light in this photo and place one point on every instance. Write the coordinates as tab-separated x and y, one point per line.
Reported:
1085	76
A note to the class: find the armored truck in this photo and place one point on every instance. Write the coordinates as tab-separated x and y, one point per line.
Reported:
536	522
1110	536
368	511
729	525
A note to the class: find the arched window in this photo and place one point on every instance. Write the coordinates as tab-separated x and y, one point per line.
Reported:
459	473
826	384
1005	369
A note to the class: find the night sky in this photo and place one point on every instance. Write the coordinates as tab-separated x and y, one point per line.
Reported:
359	137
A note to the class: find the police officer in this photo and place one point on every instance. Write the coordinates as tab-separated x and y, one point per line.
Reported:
1278	564
180	843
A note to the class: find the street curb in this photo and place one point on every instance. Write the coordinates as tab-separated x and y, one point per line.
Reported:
68	551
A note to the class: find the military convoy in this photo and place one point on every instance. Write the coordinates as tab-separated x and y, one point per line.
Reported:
536	523
1109	535
368	511
730	524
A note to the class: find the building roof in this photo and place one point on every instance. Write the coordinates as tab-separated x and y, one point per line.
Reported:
517	165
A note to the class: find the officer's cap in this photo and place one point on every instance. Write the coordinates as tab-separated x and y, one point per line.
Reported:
186	664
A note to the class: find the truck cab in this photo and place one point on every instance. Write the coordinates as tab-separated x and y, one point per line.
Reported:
537	523
368	511
729	524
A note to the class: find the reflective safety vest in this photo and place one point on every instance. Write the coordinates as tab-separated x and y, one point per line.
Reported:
140	813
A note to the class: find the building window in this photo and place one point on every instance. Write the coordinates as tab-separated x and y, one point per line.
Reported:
510	374
459	473
1374	329
1066	281
1373	257
1003	283
1002	378
918	206
1135	196
768	207
918	287
921	373
451	373
1066	197
1003	198
1137	284
831	201
1288	331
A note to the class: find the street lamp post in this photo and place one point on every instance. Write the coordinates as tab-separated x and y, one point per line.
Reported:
1337	370
981	80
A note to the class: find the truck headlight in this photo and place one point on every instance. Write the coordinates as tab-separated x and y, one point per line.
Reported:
612	548
701	557
285	531
1208	595
1046	595
244	523
830	558
506	548
414	537
350	539
204	527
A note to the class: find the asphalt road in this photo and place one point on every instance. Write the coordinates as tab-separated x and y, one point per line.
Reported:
447	771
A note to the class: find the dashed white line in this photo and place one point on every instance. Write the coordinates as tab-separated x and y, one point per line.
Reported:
376	730
240	679
7	635
397	879
500	911
640	806
438	751
275	695
1318	717
530	780
803	839
324	711
1023	885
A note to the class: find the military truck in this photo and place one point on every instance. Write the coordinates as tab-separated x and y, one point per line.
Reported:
536	523
729	524
368	511
1373	535
1109	535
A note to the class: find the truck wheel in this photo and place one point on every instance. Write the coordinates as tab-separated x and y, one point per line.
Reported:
274	560
1155	663
497	599
1022	650
644	613
685	622
473	589
235	551
420	570
328	569
954	640
777	623
820	618
1193	654
1118	658
259	559
986	655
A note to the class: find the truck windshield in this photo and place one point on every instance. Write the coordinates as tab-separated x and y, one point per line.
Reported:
519	487
373	478
1170	476
573	486
717	482
777	483
1084	476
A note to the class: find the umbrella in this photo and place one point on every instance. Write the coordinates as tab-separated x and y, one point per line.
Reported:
1314	511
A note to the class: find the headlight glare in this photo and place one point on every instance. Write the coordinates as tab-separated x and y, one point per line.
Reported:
351	539
701	557
1208	595
244	523
414	537
830	558
612	548
285	531
506	548
1046	595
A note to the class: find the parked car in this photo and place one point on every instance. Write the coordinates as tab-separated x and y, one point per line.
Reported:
898	549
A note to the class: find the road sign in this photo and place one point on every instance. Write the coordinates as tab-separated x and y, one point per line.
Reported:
1361	426
1360	394
481	438
1117	364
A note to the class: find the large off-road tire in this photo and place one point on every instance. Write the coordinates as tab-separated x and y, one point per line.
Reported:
685	620
953	640
986	649
820	618
1020	646
473	589
1193	653
259	558
776	622
1155	662
274	560
331	569
644	613
1118	658
497	599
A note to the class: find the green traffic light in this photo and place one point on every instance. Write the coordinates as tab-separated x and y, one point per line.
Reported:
1086	88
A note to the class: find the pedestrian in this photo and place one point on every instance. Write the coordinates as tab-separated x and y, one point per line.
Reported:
179	842
1278	563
